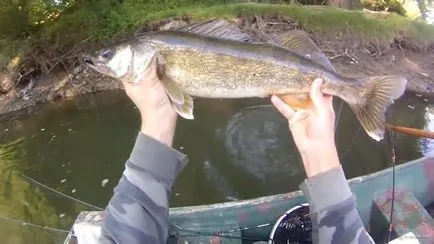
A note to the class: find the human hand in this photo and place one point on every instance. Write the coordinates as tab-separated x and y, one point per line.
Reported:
313	130
157	115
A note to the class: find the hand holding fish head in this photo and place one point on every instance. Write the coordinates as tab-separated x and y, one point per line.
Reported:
157	114
126	61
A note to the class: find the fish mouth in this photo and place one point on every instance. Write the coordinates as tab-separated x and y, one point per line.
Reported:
98	65
94	63
88	60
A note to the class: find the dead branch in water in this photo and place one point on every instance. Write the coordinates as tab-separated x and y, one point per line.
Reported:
402	51
62	57
353	58
261	28
21	76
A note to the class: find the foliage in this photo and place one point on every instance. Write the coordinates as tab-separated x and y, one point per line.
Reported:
70	26
395	6
422	5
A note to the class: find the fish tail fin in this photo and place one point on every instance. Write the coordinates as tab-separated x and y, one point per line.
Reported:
380	92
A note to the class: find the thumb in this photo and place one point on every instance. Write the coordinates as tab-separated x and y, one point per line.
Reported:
151	73
315	94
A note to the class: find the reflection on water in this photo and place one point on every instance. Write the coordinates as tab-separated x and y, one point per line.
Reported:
427	145
257	143
19	200
238	149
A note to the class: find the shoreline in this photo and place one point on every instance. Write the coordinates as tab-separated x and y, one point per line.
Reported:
88	83
346	53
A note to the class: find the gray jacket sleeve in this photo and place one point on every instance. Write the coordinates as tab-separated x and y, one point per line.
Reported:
139	208
333	209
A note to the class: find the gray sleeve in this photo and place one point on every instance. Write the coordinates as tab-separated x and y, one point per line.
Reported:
333	209
139	208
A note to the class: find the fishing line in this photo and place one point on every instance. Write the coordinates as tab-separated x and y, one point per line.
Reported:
353	140
391	142
24	223
222	231
196	233
215	235
60	193
339	115
246	228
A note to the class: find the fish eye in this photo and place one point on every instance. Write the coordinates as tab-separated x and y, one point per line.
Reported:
107	54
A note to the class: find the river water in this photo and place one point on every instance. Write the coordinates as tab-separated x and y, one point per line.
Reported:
238	149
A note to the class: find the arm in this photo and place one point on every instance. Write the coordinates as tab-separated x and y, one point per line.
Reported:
332	205
138	210
333	208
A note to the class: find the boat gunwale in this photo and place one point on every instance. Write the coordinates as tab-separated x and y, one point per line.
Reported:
282	196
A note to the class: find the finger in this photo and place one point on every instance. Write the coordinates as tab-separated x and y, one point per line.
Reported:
148	77
315	94
151	70
328	99
282	107
127	85
298	116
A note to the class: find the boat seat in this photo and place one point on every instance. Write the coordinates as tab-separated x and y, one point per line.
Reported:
409	216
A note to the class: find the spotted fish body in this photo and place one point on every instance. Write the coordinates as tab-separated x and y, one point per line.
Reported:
219	68
203	60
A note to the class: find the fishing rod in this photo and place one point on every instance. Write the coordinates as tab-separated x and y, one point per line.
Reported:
393	158
296	103
411	131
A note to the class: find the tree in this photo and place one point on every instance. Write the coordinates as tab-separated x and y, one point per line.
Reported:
347	4
422	5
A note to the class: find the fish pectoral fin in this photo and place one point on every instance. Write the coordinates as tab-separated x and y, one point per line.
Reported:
181	102
299	42
217	28
185	109
297	101
175	94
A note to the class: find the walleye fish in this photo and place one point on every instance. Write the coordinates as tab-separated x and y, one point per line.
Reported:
215	59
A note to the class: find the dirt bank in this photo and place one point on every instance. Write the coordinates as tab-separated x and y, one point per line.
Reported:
348	55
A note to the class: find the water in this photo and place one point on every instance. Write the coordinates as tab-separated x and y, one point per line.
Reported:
238	149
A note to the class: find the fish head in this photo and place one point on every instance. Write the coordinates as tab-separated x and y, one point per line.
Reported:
114	61
122	61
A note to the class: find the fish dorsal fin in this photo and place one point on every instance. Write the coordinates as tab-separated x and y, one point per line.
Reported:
217	28
299	42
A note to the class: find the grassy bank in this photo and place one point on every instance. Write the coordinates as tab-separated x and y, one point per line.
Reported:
78	29
319	19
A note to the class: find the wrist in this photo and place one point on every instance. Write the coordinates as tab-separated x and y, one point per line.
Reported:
317	161
163	131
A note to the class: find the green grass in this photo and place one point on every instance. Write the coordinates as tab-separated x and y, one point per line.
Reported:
321	20
114	20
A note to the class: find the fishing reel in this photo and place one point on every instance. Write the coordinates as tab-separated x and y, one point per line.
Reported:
293	227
